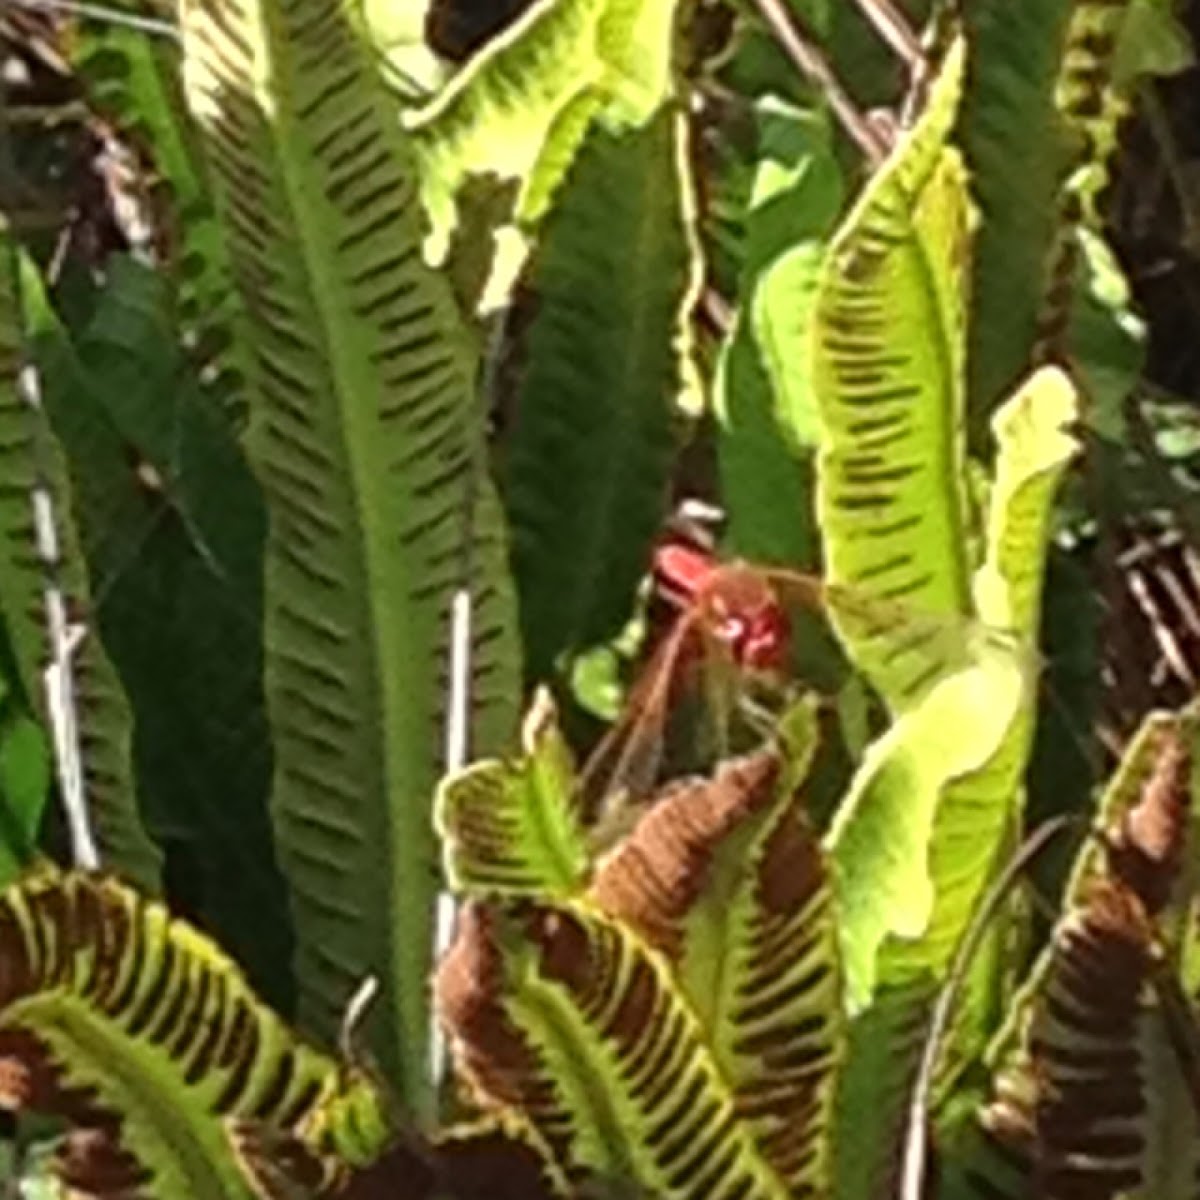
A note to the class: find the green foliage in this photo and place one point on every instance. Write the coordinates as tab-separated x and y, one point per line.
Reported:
931	808
1089	1048
762	395
698	968
511	829
1009	116
23	759
135	82
127	1022
519	109
34	457
604	375
887	377
24	782
172	524
724	995
363	434
1058	115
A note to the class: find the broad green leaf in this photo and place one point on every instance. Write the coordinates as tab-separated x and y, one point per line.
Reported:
565	1016
944	823
1051	83
605	369
881	837
365	434
117	1016
24	785
173	524
24	766
155	403
635	39
887	377
726	879
31	455
512	829
521	107
763	399
978	813
1034	445
884	845
780	311
496	115
1009	117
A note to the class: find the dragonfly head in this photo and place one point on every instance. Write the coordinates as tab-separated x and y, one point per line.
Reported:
757	633
763	645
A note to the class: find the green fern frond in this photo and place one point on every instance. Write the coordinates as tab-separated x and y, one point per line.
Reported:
564	1017
693	986
520	109
365	434
725	878
116	1017
32	457
514	829
604	372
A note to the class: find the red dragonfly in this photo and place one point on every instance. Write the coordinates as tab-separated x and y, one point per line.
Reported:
732	626
732	631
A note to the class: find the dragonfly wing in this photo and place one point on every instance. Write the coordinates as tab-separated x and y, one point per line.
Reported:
626	761
902	649
722	693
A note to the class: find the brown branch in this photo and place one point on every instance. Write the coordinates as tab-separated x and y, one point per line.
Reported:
812	64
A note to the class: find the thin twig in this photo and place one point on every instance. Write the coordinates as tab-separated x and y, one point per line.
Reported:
458	703
716	310
46	116
100	12
65	637
895	32
915	1141
812	64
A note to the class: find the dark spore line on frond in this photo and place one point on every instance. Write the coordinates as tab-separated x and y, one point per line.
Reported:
100	951
657	874
1068	1117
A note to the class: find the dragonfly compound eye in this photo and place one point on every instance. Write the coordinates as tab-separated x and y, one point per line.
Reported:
733	631
764	643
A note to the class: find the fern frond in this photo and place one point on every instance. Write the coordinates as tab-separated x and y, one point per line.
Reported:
366	436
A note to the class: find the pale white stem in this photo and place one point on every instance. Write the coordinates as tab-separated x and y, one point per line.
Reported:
58	679
458	716
458	724
916	1147
354	1015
